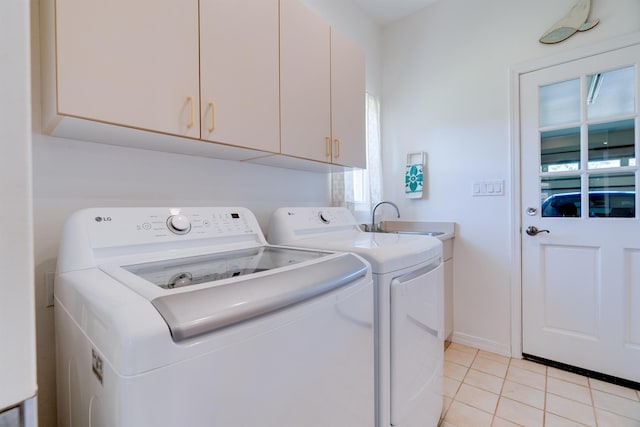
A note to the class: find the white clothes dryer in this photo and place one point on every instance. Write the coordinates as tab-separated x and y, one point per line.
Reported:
409	279
187	317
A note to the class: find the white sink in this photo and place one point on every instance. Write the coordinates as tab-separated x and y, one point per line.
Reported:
443	230
424	233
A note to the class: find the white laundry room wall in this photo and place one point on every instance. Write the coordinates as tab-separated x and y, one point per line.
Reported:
446	92
349	19
70	174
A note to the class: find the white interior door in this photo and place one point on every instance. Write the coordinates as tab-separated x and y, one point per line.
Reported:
581	272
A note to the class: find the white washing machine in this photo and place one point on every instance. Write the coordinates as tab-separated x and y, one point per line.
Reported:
187	317
409	278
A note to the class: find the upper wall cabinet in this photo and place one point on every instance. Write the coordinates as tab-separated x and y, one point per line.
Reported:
305	87
263	80
132	63
322	90
348	115
145	66
239	73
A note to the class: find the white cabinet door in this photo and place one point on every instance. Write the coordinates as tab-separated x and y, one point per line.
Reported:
305	91
322	90
239	73
129	63
347	102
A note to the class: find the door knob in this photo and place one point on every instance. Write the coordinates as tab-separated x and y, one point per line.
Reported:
532	230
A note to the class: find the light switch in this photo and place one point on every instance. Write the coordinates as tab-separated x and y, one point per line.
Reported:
488	188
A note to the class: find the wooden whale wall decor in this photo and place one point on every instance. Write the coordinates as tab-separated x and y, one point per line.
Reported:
576	20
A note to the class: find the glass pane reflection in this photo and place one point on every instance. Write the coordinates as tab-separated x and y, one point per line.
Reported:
560	150
611	94
611	145
560	196
560	103
612	195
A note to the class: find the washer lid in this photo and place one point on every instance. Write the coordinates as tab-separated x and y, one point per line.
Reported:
189	314
194	270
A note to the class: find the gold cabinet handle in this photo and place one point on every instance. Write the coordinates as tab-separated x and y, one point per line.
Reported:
191	117
327	139
337	142
212	106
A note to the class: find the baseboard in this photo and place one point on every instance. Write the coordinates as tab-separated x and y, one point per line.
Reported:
481	343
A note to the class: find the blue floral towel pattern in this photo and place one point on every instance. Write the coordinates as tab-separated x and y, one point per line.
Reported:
413	183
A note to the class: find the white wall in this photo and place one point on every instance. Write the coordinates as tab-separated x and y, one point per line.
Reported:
349	19
68	175
445	91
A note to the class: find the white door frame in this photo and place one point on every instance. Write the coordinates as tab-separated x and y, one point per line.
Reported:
516	206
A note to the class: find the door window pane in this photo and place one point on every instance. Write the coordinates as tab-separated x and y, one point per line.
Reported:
611	145
612	195
560	150
560	103
600	172
611	93
560	196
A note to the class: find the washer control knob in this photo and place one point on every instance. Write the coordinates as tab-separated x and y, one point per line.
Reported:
179	224
323	218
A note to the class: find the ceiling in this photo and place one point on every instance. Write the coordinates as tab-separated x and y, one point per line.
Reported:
387	11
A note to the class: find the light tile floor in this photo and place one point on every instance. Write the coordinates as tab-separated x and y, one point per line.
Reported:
486	389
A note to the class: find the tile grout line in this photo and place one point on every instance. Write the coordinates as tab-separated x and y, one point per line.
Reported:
593	402
504	380
546	388
495	408
462	381
463	377
444	415
494	415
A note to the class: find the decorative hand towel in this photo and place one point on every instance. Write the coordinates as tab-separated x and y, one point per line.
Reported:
413	176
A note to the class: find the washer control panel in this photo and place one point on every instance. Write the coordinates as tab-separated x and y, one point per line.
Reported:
128	226
319	217
290	224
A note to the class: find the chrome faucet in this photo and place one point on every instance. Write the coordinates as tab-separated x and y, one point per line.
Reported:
374	227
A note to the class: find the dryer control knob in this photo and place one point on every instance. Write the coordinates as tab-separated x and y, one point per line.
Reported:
179	224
